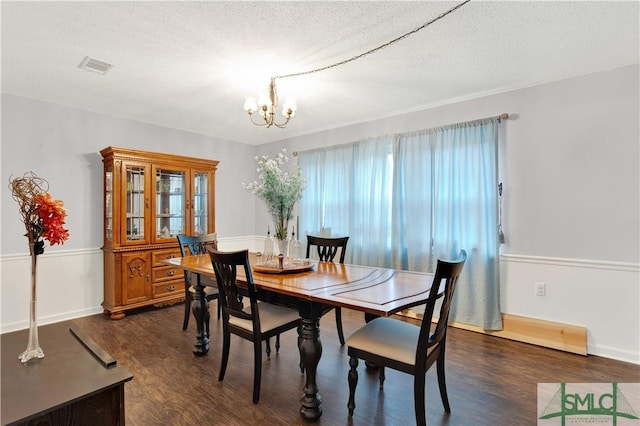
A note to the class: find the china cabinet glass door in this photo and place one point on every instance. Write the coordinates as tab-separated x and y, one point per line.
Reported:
170	210
135	203
201	194
108	203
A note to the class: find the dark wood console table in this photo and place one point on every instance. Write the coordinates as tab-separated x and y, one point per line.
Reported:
69	386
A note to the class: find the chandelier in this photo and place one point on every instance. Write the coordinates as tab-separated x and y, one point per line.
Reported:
267	105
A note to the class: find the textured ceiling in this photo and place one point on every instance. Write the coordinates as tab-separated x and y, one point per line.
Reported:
190	65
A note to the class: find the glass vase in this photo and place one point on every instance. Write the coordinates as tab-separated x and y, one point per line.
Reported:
282	247
33	347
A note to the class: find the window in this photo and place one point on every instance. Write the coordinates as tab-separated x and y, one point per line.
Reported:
406	200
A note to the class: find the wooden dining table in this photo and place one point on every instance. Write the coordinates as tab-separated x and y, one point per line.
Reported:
372	290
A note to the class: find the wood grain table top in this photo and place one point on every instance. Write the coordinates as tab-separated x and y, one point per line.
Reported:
379	291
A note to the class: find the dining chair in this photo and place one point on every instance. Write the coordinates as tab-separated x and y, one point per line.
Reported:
256	322
406	347
327	249
191	245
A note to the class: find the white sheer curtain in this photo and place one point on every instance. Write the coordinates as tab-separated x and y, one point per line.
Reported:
370	213
325	204
447	200
409	199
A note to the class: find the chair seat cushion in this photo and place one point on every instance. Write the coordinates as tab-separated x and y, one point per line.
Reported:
271	316
389	338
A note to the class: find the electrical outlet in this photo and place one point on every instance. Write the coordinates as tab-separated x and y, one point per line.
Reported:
540	289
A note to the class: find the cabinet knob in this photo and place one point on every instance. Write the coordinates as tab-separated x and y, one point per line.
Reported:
171	287
171	273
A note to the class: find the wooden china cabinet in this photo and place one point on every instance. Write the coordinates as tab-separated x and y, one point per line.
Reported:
150	198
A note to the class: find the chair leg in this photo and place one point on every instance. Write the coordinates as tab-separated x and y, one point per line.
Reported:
418	397
441	382
219	308
382	377
257	370
207	319
339	325
353	382
187	309
268	346
226	341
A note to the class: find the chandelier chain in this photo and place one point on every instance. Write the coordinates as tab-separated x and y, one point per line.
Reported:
375	49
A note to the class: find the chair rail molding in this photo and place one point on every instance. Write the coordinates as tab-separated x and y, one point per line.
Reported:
579	263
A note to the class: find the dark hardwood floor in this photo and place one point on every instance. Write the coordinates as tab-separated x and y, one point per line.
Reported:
490	381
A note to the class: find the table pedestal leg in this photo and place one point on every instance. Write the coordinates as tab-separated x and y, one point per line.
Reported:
200	310
310	353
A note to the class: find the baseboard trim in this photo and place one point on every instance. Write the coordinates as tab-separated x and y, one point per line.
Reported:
51	319
555	335
549	334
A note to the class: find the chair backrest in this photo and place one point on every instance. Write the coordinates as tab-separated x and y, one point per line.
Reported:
328	247
225	265
443	287
190	245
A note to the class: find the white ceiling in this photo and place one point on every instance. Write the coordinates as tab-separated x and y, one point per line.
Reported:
190	65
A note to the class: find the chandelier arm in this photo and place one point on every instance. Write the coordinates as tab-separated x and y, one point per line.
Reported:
282	125
375	49
257	124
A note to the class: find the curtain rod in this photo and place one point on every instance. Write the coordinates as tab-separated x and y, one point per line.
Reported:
503	116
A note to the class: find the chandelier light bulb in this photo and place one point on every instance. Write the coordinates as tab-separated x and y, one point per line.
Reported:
289	105
263	100
250	105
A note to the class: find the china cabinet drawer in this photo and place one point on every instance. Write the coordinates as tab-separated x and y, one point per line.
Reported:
168	288
165	273
159	255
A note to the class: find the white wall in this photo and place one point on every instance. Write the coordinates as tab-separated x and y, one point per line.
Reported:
569	163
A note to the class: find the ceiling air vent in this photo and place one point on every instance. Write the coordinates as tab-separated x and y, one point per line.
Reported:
94	65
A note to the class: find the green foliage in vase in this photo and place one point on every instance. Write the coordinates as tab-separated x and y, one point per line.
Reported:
279	189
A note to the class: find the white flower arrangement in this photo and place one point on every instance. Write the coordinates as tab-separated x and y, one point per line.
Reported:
278	189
